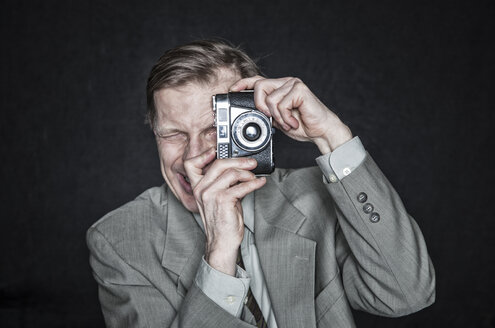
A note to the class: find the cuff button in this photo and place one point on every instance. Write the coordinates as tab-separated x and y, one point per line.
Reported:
362	197
375	217
368	208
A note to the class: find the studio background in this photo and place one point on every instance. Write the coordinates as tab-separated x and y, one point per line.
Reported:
411	79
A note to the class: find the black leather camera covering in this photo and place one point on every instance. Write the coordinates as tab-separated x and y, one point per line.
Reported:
264	158
265	163
242	99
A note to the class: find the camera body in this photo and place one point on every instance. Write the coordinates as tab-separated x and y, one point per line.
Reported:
242	130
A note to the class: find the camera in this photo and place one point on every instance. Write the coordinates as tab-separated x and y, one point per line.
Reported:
243	130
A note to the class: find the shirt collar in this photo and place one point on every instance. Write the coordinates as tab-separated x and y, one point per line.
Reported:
248	211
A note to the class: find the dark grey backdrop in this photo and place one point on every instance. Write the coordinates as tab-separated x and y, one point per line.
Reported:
411	79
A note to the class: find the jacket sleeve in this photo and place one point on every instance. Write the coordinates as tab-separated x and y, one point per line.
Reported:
129	299
386	269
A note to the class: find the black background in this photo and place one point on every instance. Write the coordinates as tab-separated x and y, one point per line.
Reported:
411	79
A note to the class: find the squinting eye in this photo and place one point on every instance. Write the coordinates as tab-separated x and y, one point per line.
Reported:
176	137
211	132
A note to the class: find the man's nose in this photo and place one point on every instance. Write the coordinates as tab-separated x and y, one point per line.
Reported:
196	146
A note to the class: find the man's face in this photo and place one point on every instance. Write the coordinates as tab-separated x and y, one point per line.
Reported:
185	128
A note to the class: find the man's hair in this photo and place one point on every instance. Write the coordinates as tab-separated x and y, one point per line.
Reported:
195	62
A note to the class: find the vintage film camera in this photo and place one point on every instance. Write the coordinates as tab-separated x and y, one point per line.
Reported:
242	130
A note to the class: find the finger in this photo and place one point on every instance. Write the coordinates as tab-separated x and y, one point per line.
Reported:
288	113
231	177
246	83
294	98
218	189
239	191
275	124
288	117
194	166
283	117
221	165
242	189
263	88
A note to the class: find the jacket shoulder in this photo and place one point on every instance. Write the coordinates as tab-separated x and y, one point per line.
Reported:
304	188
293	181
143	216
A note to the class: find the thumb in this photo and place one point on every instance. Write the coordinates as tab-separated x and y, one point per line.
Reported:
194	166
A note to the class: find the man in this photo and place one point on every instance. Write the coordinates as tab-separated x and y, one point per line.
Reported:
217	246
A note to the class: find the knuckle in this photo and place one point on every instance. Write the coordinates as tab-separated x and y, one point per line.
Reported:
244	174
258	104
220	198
257	84
246	160
284	113
299	85
270	100
285	110
232	172
233	163
216	164
206	197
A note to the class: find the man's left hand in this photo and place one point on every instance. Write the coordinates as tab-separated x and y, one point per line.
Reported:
296	111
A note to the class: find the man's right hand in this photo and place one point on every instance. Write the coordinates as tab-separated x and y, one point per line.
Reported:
218	189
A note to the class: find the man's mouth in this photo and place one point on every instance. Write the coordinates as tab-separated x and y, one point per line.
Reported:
185	183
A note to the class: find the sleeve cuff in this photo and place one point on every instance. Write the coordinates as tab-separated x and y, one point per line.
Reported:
339	163
226	291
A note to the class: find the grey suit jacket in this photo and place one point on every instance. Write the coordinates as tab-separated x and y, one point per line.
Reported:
319	251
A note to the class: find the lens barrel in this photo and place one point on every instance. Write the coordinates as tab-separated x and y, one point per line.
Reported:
251	131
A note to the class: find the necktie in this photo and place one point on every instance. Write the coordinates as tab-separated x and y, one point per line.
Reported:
251	301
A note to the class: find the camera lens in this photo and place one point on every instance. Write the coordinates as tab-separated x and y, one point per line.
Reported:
251	131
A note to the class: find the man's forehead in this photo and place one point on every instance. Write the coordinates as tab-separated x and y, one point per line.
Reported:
182	100
188	117
191	99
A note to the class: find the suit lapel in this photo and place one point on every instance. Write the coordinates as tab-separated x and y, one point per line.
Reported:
184	243
287	259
